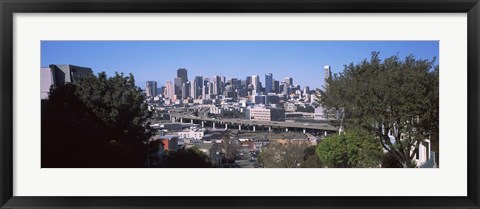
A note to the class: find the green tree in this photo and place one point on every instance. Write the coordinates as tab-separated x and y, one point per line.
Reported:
351	149
282	155
96	122
395	99
310	158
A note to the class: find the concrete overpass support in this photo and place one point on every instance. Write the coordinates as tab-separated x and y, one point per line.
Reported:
213	124
286	129
240	127
181	120
269	129
191	121
304	131
203	123
226	126
253	128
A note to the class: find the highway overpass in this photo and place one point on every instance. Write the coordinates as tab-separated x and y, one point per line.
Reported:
244	124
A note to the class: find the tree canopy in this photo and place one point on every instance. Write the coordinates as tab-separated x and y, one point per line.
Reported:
395	99
188	158
96	122
282	155
352	149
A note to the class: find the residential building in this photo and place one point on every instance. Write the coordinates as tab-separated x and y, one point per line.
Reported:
59	75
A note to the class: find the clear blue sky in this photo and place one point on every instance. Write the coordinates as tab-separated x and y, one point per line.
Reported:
159	60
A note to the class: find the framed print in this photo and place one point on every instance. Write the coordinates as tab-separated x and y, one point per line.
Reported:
319	104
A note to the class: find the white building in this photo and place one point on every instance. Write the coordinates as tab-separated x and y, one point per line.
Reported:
265	114
319	114
191	134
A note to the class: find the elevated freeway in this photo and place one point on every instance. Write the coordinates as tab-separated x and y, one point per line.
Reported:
254	125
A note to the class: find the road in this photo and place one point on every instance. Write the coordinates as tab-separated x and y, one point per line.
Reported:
245	161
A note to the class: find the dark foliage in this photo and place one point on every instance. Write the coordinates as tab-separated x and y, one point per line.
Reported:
96	122
188	158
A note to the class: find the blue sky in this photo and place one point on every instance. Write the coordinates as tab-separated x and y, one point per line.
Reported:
159	60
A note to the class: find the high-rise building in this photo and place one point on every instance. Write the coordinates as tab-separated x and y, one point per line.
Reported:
151	88
306	89
185	90
217	85
288	81
161	90
327	71
196	87
178	86
286	87
268	83
248	80
211	89
204	91
169	90
182	73
256	83
276	86
193	89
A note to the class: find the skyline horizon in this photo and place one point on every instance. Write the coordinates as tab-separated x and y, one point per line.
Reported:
147	60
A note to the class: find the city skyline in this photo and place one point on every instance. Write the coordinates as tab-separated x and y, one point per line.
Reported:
159	60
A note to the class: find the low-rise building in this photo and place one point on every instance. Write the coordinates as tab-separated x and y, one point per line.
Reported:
191	134
265	114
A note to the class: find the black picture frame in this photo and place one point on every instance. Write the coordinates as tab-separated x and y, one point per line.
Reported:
9	7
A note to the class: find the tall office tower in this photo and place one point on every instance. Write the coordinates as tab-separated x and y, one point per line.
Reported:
204	91
224	79
185	90
198	85
151	88
276	86
268	83
210	88
248	80
288	81
169	90
217	85
285	88
256	83
161	90
328	72
306	89
193	89
234	84
178	86
182	73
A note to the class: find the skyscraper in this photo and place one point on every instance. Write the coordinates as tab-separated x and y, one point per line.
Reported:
169	90
276	86
197	86
248	80
178	86
256	83
268	83
217	85
182	73
288	81
193	89
327	71
151	88
185	90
